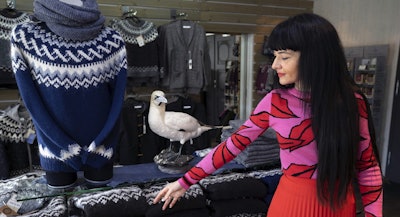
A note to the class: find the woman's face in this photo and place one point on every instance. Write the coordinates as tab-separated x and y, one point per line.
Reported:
286	65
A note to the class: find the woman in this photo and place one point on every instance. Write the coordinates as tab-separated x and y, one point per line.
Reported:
323	128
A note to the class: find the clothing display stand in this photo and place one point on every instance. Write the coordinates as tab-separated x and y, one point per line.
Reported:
367	65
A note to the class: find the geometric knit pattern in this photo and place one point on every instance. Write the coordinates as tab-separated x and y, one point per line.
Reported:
141	38
128	201
260	174
25	186
114	196
56	207
8	20
61	74
130	30
151	192
74	92
218	179
193	199
8	23
283	111
15	130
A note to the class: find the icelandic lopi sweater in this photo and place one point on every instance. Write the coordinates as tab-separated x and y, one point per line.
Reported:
74	92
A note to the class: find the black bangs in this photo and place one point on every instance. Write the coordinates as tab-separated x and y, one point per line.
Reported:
290	34
283	37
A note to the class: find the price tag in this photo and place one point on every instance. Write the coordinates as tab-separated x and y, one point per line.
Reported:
13	204
6	211
190	63
140	41
30	136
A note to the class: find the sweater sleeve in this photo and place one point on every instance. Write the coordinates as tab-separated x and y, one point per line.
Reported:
369	173
226	151
102	145
62	146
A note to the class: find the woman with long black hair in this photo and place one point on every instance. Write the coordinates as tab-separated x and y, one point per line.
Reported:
323	126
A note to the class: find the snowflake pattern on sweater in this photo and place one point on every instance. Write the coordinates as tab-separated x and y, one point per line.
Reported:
74	92
283	111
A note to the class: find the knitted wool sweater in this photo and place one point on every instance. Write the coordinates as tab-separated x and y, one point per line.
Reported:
74	92
282	110
141	41
8	20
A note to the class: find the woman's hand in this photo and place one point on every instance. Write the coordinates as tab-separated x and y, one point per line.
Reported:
170	194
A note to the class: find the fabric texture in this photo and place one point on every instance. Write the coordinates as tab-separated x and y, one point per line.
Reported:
9	18
238	207
262	151
185	60
297	197
29	185
74	92
5	167
271	179
201	212
70	21
56	207
282	110
141	39
126	201
219	187
17	137
16	124
138	143
193	198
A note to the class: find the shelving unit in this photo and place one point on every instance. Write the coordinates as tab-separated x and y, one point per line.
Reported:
367	65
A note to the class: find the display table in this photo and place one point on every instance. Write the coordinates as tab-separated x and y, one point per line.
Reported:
232	190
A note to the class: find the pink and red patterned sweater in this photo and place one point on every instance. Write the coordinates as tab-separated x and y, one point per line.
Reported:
283	111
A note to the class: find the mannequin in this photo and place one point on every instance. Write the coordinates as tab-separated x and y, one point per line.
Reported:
71	74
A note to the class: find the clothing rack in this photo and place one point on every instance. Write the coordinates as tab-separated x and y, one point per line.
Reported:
11	4
130	13
175	14
146	96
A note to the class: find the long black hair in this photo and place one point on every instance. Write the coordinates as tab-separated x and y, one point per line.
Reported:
323	74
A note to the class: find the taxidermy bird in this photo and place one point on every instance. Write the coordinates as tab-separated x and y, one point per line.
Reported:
175	126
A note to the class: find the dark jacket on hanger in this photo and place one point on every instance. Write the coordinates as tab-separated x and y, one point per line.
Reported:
185	59
137	143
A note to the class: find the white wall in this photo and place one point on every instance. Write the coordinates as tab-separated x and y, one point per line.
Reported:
369	22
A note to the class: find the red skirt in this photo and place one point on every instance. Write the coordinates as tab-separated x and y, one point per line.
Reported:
297	197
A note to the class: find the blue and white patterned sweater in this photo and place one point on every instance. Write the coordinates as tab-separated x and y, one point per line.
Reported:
74	92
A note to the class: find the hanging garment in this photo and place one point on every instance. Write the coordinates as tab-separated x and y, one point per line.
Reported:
185	59
9	18
141	41
137	144
264	80
17	138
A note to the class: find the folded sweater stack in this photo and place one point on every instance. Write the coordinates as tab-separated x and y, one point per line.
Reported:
235	194
263	151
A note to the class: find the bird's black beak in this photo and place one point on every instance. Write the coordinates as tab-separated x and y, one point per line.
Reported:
160	100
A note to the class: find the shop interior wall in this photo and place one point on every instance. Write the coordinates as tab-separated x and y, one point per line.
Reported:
256	17
363	23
